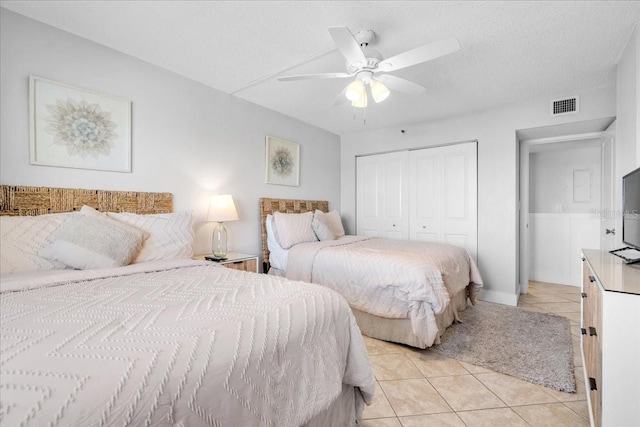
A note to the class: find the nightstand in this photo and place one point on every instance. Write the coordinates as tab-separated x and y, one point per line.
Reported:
237	261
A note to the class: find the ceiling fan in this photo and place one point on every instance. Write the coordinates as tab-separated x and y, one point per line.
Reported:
370	69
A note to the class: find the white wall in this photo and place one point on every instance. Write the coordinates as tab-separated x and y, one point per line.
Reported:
556	241
188	139
495	130
554	184
627	156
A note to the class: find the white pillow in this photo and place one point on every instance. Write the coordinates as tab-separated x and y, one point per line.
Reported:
277	255
322	230
23	237
170	235
93	240
291	229
332	219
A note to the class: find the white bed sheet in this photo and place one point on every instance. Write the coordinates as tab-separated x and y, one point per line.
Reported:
182	343
395	279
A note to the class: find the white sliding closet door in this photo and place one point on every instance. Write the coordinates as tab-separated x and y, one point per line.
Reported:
382	195
429	194
443	195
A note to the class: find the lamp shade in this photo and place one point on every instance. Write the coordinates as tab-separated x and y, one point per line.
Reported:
222	209
362	102
355	91
379	91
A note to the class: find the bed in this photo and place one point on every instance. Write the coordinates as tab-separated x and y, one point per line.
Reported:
399	291
163	339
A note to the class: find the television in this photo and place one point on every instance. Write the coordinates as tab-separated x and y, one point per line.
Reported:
631	209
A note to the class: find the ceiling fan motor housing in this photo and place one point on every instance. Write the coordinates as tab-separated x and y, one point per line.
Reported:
365	76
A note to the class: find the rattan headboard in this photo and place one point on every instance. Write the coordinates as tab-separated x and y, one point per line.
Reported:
269	206
28	201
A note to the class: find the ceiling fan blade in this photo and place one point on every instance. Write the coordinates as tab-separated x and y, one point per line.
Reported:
348	45
419	54
315	76
400	84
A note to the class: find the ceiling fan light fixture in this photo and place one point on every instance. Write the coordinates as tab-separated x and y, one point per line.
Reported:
379	91
362	102
355	91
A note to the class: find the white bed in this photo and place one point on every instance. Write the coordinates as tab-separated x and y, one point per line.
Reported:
401	291
168	341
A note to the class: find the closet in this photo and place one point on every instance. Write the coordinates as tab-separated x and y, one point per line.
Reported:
427	194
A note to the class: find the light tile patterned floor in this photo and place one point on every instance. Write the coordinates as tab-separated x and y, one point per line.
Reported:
420	388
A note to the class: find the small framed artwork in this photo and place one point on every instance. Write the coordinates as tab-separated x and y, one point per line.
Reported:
282	162
73	127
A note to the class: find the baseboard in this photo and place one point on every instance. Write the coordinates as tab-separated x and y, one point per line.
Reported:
499	297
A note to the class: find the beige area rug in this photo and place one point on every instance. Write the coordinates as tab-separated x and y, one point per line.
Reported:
532	346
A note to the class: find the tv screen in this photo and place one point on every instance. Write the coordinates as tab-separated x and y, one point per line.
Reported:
631	208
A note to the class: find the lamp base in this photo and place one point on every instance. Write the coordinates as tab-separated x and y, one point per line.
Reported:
215	258
219	242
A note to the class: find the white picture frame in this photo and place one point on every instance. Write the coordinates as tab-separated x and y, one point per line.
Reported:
282	162
73	127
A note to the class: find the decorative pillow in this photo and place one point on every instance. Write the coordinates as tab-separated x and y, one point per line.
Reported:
23	237
332	219
170	235
93	240
291	229
322	230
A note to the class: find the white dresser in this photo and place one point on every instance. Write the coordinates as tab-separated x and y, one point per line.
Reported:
611	339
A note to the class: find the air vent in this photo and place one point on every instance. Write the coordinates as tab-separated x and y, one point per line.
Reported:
564	106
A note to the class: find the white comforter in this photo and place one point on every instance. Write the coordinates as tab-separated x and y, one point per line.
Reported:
389	278
185	343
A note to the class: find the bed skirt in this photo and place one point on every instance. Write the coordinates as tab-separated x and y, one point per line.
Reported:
400	330
345	411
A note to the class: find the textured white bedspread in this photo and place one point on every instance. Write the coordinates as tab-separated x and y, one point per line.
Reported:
186	343
388	278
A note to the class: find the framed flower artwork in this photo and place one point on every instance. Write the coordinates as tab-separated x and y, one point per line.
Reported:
282	162
74	127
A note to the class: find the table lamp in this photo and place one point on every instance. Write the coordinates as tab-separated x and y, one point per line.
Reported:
221	209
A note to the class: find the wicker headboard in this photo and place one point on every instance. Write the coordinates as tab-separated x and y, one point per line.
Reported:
269	206
28	201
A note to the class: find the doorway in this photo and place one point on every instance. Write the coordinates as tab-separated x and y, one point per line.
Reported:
562	196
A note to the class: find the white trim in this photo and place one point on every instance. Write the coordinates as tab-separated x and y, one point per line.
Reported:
566	138
418	148
499	297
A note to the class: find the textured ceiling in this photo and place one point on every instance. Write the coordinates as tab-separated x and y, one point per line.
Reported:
509	50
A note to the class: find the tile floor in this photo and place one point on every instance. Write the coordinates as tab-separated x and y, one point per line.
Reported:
421	388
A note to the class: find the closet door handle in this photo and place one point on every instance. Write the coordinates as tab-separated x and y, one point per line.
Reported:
592	332
592	384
